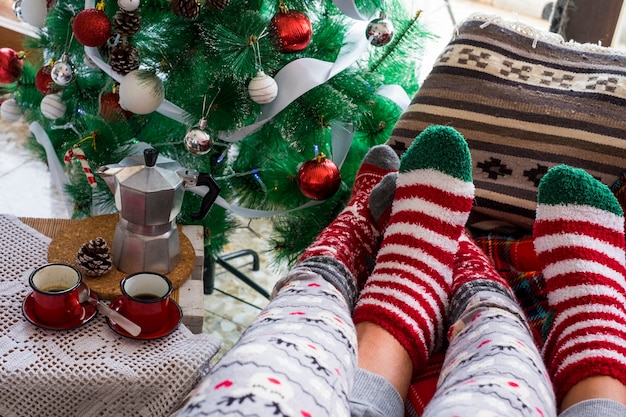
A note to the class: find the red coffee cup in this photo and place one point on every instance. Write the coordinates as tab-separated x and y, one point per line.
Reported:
55	293
146	300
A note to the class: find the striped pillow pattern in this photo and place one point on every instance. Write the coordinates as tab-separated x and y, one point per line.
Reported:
524	101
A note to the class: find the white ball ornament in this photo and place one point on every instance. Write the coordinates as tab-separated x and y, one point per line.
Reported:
53	107
34	12
141	92
128	5
10	110
262	88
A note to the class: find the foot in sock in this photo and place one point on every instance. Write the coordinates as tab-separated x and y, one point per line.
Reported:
492	365
579	240
408	291
353	237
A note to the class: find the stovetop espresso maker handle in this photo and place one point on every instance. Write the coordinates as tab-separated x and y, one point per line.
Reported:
209	198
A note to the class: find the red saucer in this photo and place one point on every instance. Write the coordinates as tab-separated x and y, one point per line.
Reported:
88	313
174	318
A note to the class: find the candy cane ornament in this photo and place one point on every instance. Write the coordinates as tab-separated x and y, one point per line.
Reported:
78	153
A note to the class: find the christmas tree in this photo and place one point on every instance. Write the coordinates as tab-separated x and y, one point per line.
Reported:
277	100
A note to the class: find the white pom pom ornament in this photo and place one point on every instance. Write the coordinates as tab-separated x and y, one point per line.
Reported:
262	88
10	110
141	92
53	107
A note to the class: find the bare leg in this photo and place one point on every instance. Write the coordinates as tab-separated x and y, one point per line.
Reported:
595	387
382	354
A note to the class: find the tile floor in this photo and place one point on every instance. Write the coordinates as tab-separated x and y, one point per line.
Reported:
26	187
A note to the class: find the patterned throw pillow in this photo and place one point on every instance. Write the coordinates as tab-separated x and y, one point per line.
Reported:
525	101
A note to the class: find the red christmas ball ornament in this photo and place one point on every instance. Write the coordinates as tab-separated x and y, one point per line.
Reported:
91	27
110	107
291	29
319	178
11	65
44	82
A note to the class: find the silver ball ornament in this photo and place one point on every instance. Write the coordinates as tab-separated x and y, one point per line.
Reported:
379	32
62	72
262	88
198	142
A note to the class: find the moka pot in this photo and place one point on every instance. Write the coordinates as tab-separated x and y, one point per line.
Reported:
149	196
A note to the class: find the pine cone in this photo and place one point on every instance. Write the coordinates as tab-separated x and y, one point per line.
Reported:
126	23
189	9
218	4
114	40
93	258
124	58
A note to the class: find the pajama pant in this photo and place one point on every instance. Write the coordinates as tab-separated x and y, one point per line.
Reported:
299	358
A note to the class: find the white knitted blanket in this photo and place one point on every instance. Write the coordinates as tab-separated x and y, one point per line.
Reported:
91	370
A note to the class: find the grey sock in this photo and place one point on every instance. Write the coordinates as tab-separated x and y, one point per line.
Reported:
382	194
383	157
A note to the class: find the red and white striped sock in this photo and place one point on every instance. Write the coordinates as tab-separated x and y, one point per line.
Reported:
579	240
353	236
471	266
408	291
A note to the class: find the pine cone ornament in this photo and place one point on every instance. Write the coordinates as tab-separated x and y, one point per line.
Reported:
94	258
126	23
218	4
124	58
189	9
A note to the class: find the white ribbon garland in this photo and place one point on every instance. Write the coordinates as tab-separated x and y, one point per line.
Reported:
294	80
59	179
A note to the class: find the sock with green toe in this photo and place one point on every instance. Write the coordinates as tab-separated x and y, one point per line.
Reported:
579	241
408	291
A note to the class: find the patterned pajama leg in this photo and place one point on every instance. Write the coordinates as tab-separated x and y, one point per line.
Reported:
492	366
298	358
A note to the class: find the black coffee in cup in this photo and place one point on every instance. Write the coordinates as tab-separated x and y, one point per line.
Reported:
54	289
146	296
